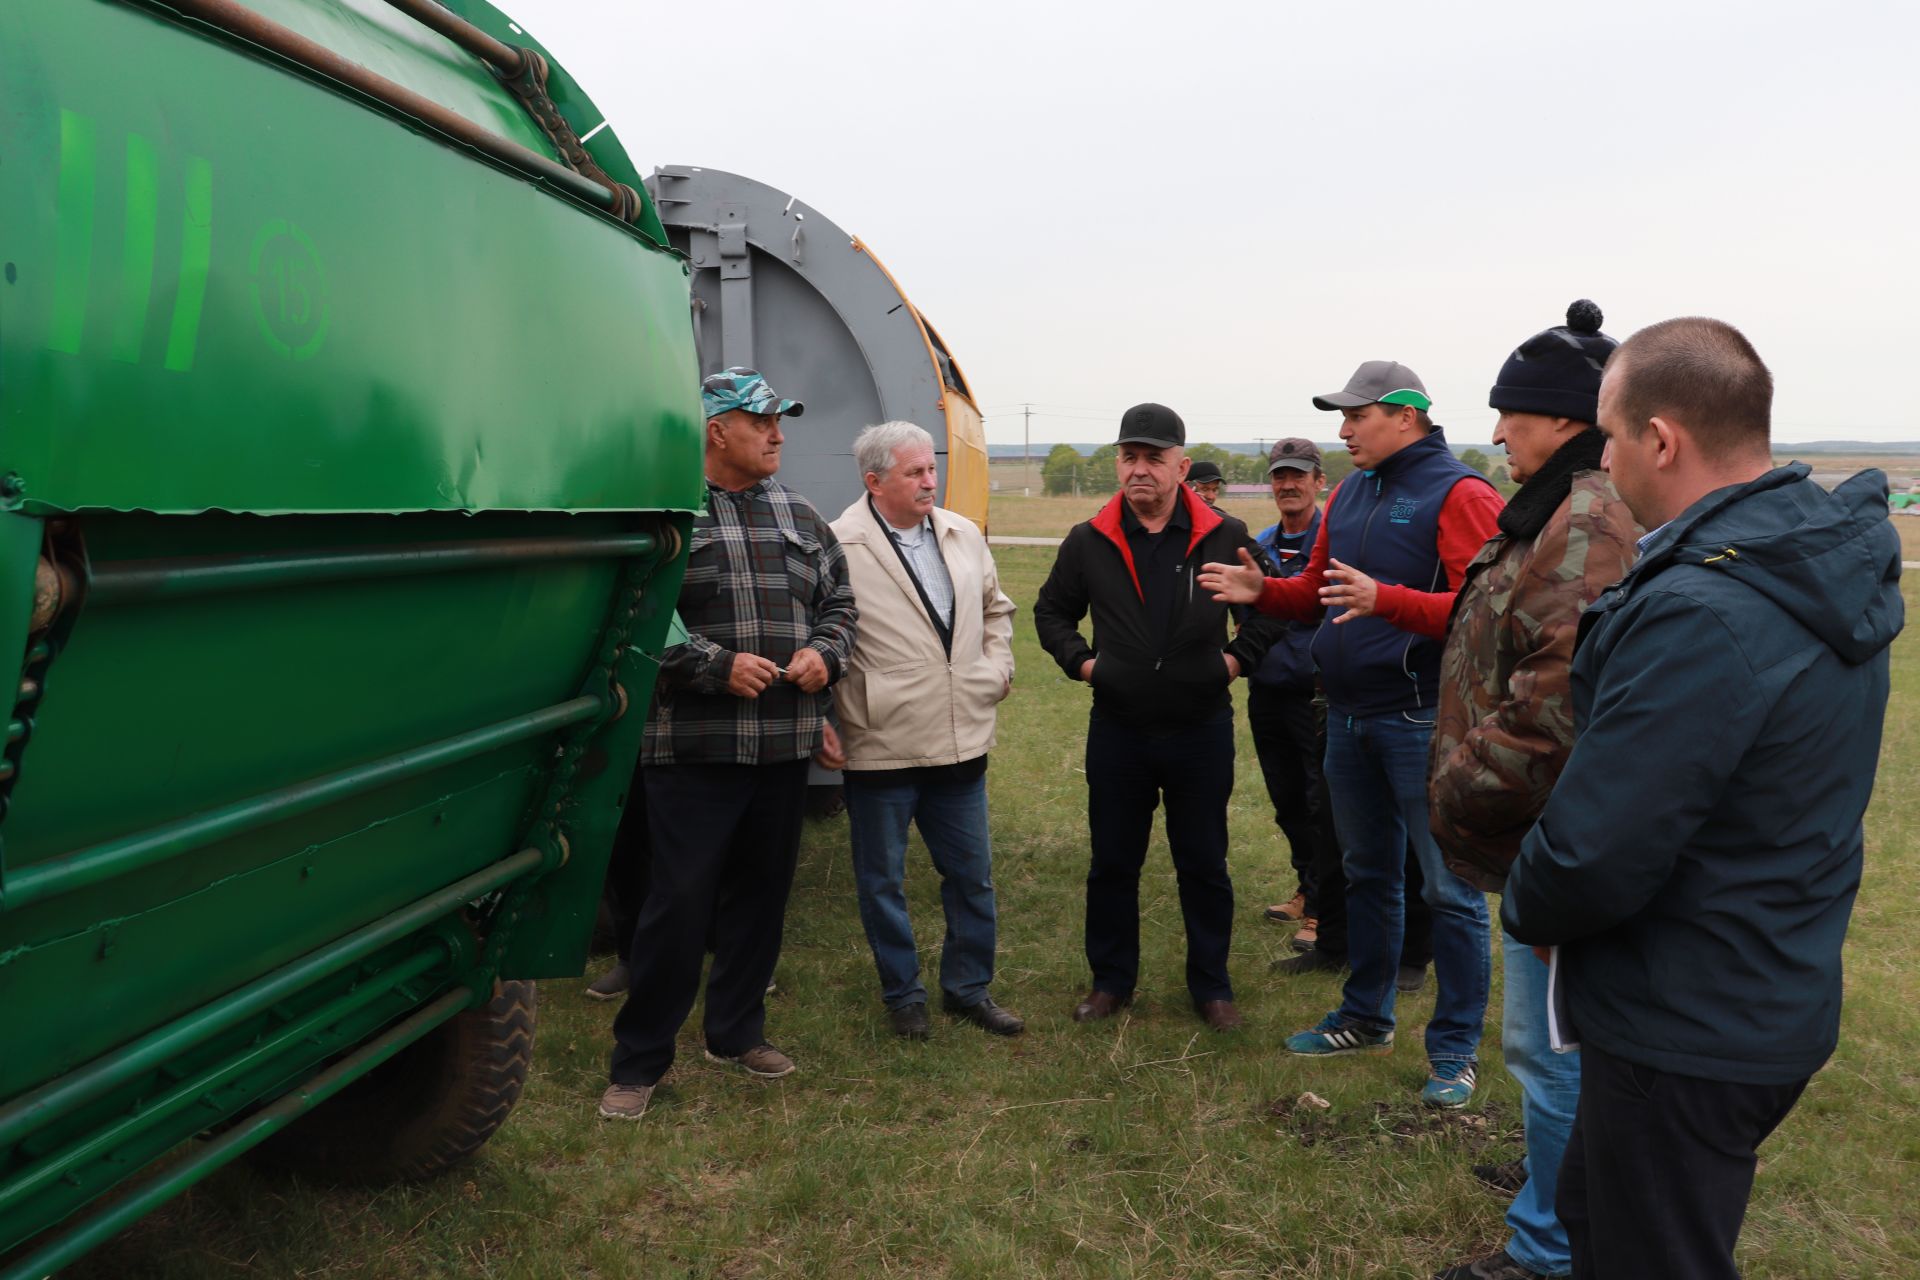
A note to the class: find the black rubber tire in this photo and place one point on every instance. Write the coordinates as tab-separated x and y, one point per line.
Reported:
425	1110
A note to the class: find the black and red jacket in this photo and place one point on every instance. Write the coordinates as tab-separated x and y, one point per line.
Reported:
1150	671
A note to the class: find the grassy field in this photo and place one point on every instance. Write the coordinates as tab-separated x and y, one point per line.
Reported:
1140	1147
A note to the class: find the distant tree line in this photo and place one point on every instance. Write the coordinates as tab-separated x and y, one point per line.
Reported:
1066	471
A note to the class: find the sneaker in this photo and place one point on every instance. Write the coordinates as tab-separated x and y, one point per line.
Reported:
1505	1178
625	1101
611	985
1288	912
1450	1085
1333	1037
763	1060
909	1021
1495	1266
1410	979
1315	961
1308	935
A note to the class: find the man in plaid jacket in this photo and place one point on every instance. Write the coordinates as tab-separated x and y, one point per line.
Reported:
738	711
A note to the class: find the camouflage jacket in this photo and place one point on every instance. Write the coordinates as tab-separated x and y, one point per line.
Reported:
1505	723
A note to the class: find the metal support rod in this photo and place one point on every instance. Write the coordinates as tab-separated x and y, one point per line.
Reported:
152	1111
237	20
32	1111
133	580
69	872
463	33
256	1129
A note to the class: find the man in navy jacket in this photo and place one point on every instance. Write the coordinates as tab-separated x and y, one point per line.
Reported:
1698	860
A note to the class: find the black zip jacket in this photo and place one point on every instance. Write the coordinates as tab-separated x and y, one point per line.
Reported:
1149	672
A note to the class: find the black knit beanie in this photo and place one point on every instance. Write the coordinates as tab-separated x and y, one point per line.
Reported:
1556	372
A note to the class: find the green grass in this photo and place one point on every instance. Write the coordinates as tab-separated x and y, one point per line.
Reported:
1140	1147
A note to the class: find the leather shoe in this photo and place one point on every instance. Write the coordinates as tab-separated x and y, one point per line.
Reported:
1220	1015
987	1016
1100	1004
909	1021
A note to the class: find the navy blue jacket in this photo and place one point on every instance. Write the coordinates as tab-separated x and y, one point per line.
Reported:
1698	860
1288	665
1386	523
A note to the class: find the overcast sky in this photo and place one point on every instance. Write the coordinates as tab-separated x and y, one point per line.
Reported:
1226	207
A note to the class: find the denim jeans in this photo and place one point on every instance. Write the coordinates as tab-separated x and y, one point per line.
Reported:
952	818
1550	1091
1377	772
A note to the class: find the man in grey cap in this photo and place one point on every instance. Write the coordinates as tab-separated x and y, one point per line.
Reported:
737	712
1289	724
1391	549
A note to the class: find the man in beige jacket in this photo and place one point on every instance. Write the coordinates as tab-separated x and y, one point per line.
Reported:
933	659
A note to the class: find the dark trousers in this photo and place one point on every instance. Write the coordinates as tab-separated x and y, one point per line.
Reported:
1657	1173
629	868
1290	737
726	838
1130	772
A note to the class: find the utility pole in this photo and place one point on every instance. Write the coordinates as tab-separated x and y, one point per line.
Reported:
1026	445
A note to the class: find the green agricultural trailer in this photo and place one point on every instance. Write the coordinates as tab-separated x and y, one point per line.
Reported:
349	434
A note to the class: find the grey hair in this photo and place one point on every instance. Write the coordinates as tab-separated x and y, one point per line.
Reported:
873	448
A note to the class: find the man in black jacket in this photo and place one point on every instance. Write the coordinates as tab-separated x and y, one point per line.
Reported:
1697	863
1162	719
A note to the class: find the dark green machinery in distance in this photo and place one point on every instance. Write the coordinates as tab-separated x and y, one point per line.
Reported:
348	438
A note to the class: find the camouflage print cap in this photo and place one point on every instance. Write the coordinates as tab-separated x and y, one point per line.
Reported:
739	388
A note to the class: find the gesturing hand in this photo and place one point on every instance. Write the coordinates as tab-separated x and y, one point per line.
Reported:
1350	589
751	674
1233	584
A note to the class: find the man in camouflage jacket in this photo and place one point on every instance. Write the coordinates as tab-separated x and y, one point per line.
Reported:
1505	725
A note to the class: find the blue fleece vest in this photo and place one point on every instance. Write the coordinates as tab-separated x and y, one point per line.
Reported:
1386	523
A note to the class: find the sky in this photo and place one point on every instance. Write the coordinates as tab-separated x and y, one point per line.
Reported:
1226	207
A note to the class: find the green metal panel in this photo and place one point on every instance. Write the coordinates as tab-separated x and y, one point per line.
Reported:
370	462
328	311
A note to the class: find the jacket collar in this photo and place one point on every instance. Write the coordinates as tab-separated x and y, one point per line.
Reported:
1108	524
1528	511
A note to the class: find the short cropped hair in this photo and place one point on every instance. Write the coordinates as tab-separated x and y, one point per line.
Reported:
873	448
1702	373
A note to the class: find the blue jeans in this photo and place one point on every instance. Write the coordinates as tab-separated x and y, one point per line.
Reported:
952	818
1550	1090
1377	772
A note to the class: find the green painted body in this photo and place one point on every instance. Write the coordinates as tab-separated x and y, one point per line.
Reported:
370	461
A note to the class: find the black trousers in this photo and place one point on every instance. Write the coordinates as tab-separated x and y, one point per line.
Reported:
1657	1174
629	867
726	838
1290	737
1131	771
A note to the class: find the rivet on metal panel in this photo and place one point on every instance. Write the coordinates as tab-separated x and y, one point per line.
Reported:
29	690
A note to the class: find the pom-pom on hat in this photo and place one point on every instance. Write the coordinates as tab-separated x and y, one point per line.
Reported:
1556	372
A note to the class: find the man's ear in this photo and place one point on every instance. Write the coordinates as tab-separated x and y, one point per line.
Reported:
1667	451
872	482
715	430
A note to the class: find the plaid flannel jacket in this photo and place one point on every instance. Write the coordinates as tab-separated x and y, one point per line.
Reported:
766	576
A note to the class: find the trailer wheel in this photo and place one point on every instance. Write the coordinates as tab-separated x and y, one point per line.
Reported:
426	1109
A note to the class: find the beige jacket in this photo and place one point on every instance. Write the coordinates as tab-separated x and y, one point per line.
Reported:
903	703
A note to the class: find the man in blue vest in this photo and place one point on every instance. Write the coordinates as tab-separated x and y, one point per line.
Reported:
1392	546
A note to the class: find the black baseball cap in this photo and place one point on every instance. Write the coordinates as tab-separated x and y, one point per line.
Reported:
1153	424
1205	473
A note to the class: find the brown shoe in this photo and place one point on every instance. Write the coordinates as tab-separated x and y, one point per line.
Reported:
762	1060
1307	935
1100	1004
625	1101
987	1016
1294	908
1220	1015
